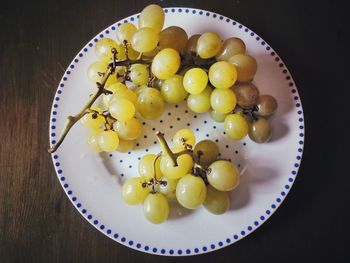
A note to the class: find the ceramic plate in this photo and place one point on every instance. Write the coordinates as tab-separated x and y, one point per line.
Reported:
93	181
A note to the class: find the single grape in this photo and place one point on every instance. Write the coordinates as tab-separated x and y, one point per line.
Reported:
106	98
222	75
144	40
267	105
169	188
132	53
139	89
236	126
93	142
246	67
195	80
208	45
184	136
223	175
139	74
200	103
150	103
128	130
217	116
125	146
191	191
108	141
216	202
93	120
173	37
124	94
156	208
260	130
166	63
206	152
125	32
122	109
104	47
232	46
191	47
223	100
97	70
146	166
247	94
152	16
173	90
185	164
133	192
151	54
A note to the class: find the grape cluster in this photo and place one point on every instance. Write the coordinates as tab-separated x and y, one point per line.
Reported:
189	173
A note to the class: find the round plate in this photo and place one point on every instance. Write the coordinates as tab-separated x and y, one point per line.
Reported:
93	181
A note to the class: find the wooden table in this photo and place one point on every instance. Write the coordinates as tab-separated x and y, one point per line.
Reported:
39	39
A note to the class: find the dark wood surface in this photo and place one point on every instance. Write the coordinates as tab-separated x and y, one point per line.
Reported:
38	40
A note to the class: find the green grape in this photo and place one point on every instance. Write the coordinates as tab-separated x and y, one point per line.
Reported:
108	141
206	152
267	105
93	142
222	75
152	16
184	136
173	37
97	70
185	164
166	63
208	45
236	126
122	109
223	100
133	192
195	80
124	94
232	46
169	188
139	89
191	47
132	53
103	49
260	130
125	146
217	116
223	175
245	65
128	130
139	74
216	202
144	40
247	94
150	103
93	120
156	208
106	98
173	90
125	32
191	191
146	166
151	54
200	103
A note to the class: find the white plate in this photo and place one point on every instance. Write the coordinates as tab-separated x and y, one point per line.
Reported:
93	182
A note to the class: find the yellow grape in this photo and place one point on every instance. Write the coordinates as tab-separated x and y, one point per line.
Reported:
222	75
128	130
146	166
122	109
223	100
173	90
185	164
108	141
223	175
168	189
245	65
139	74
191	191
217	116
150	103
206	152
236	126
133	192
152	16
93	142
200	103
184	136
93	120
124	94
208	45
156	208
125	145
103	49
144	40
97	70
166	63
113	88
232	46
173	37
151	54
195	80
125	32
139	89
216	202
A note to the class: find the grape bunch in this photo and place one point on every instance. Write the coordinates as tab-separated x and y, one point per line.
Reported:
189	174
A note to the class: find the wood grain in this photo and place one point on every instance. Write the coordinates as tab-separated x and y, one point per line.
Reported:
37	42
